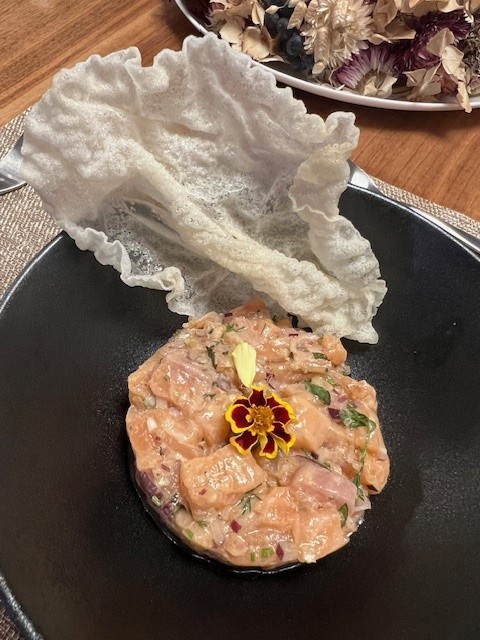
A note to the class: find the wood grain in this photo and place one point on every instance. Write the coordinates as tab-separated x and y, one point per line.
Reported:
430	154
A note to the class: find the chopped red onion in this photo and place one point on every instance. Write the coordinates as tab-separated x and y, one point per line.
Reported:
235	526
202	492
279	551
292	335
165	467
227	314
147	484
334	413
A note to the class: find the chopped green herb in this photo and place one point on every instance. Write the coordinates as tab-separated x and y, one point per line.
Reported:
252	556
246	501
318	355
202	523
156	501
211	355
353	419
343	514
319	392
232	327
358	483
189	533
267	552
331	381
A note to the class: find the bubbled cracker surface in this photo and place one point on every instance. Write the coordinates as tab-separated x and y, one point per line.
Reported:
199	176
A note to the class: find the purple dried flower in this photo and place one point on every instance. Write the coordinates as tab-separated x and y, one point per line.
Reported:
378	62
415	53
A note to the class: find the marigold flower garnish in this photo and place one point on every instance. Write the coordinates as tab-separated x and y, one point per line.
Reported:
260	418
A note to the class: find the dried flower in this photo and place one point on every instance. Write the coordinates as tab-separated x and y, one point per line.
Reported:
427	49
371	72
241	23
335	29
416	54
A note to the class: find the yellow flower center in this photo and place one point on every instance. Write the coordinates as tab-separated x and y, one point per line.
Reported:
262	418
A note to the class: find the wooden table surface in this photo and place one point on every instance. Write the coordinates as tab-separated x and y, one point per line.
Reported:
432	154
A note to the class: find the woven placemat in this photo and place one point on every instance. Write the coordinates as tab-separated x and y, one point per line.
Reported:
25	228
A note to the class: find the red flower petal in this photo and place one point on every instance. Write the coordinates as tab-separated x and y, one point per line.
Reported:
273	402
243	401
244	440
240	416
280	414
268	446
280	433
257	397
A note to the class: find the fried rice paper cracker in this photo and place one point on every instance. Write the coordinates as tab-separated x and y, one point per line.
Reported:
199	176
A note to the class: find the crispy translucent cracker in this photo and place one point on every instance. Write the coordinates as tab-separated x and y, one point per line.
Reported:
199	176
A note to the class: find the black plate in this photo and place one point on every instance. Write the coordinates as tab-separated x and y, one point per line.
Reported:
86	562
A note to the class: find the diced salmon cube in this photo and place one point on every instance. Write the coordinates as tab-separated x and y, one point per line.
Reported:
182	383
318	533
311	426
220	479
162	427
277	509
255	308
333	349
375	473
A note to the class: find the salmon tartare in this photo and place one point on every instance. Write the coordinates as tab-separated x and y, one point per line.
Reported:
263	474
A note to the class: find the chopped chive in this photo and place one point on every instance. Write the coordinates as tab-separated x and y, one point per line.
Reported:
318	355
252	556
202	523
331	381
267	552
189	533
343	514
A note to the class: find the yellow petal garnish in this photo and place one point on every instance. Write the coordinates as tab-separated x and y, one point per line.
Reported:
245	361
